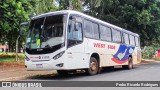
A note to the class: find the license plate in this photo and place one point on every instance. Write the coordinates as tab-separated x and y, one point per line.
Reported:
39	65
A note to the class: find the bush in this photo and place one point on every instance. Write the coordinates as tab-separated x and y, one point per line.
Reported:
158	59
21	56
148	52
12	56
7	56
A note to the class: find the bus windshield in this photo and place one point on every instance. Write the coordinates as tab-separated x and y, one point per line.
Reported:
46	32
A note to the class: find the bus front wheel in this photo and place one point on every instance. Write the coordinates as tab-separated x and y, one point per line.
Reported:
93	67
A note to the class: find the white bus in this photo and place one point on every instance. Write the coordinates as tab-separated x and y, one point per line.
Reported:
69	40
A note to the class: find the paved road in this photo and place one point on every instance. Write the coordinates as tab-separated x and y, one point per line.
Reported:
145	72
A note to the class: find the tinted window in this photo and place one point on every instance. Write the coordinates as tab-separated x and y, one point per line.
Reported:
137	41
126	38
88	28
95	31
116	36
105	33
132	42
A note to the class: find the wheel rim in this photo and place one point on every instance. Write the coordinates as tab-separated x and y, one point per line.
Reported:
93	66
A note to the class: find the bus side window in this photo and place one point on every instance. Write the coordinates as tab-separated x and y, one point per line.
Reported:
74	33
126	38
132	41
116	36
95	31
137	41
105	33
78	31
88	28
123	40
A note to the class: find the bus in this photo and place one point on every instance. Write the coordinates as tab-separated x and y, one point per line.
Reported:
69	40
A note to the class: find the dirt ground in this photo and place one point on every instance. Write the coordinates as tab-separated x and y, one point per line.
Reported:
11	66
16	71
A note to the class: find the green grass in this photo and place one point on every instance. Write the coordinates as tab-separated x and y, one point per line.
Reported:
21	55
11	59
7	59
9	53
157	59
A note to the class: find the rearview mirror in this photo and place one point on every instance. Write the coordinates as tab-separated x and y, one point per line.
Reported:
24	24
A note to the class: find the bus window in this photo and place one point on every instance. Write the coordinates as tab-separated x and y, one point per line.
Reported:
95	31
74	33
88	28
136	41
126	38
116	35
77	33
105	33
132	41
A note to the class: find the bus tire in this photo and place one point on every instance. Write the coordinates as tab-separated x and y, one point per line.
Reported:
93	67
62	72
130	64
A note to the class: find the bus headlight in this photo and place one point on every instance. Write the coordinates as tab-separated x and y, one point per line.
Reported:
58	55
27	58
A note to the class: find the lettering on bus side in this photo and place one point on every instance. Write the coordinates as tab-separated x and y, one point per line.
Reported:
99	45
111	47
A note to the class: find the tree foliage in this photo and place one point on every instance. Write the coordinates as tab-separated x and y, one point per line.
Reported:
70	4
12	13
44	6
139	16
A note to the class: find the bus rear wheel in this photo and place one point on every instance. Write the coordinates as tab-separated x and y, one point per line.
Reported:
93	67
130	64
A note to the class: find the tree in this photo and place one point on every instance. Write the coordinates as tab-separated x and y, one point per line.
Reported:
70	4
139	16
44	6
13	12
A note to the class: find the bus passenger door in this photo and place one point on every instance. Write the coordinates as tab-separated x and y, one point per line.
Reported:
75	47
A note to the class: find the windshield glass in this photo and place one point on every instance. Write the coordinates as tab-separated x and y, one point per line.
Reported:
46	32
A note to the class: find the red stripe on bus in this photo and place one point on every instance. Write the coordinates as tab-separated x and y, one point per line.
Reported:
118	61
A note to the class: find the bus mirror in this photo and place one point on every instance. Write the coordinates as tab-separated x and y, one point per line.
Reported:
24	24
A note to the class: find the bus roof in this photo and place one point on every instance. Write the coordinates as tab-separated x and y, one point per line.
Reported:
85	16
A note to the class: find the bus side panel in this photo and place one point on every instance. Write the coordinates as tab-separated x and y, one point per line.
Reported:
105	50
76	58
111	54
